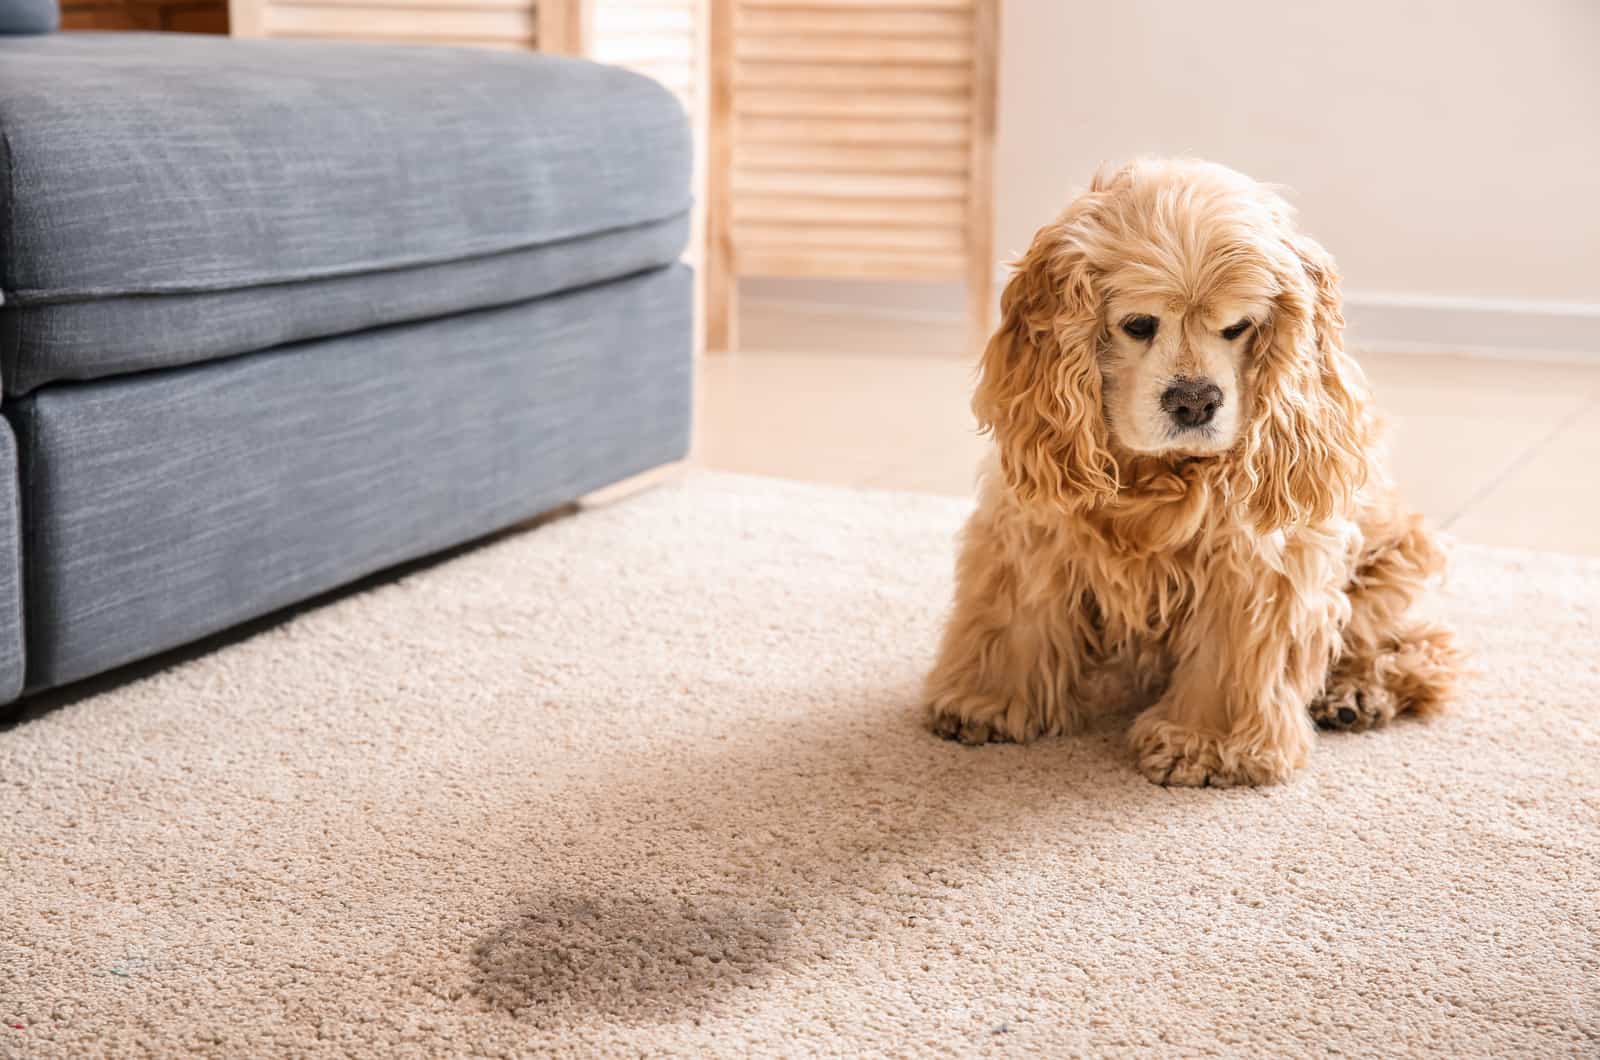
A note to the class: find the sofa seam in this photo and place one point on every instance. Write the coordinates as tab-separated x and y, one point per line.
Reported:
29	297
24	421
34	380
10	344
8	237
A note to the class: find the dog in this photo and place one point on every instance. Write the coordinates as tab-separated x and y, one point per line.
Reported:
1186	509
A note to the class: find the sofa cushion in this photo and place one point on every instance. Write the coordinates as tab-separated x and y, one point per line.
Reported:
161	191
165	506
29	16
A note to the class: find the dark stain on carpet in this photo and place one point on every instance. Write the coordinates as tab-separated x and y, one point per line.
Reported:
626	957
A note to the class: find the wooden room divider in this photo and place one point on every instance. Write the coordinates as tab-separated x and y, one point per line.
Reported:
851	138
834	138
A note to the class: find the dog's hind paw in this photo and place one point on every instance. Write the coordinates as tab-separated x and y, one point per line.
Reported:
1347	707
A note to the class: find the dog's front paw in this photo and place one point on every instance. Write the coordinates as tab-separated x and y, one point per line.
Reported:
975	721
1181	756
972	733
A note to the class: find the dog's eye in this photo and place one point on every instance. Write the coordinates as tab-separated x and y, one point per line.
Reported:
1141	328
1233	332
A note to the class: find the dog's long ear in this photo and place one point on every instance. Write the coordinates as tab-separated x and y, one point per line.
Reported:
1306	446
1039	380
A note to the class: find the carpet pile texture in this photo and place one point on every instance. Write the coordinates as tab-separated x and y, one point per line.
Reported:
651	780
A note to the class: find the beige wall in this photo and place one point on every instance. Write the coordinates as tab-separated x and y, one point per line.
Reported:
1439	148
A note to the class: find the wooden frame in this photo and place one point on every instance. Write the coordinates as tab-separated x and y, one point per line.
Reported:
980	175
246	18
721	304
851	138
562	26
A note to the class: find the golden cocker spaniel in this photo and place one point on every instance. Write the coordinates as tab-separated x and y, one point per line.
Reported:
1190	510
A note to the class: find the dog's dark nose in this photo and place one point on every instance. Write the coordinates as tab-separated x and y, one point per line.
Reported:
1192	402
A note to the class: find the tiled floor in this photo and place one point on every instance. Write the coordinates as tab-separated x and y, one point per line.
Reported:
1495	452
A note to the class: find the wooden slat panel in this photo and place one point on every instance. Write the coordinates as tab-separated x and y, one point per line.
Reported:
670	72
107	15
628	51
920	51
628	18
849	237
868	21
851	186
768	102
919	131
922	5
758	209
849	131
856	126
411	24
850	77
875	266
194	18
436	5
508	45
173	16
851	158
522	44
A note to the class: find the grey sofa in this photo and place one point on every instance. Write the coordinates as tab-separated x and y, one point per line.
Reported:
277	315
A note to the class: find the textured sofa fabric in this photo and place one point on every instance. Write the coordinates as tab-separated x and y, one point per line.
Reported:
275	315
29	16
11	624
214	173
164	506
106	336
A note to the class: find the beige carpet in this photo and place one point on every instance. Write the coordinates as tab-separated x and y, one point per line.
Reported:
650	780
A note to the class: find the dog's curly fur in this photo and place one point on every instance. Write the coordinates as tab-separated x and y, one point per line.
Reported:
1242	586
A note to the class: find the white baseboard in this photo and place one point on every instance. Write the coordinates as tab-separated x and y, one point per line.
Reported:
1400	322
1494	327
